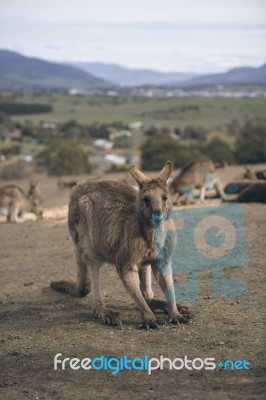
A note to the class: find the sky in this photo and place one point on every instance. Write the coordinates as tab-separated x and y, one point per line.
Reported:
202	36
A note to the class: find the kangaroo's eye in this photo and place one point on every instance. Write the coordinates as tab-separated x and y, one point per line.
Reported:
146	200
164	198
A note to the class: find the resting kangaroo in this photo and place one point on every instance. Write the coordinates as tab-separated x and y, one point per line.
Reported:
255	193
13	201
62	184
110	222
250	174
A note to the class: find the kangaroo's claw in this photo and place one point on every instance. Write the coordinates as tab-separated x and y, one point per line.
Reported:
152	324
149	325
109	317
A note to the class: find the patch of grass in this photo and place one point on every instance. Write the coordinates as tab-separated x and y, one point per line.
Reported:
169	112
215	114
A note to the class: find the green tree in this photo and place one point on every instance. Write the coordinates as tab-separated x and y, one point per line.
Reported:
218	150
152	130
10	151
64	158
250	146
158	149
194	133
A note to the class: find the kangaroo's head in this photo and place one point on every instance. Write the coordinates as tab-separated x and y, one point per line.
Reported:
249	174
35	198
154	198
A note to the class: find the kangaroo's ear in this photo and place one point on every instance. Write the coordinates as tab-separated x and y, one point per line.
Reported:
166	172
33	183
138	176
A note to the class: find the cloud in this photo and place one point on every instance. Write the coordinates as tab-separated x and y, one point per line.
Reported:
179	11
169	35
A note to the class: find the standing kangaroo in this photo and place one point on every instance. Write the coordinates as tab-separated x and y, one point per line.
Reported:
14	202
110	222
195	175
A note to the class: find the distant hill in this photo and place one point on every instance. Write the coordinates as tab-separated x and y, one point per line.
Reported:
20	72
238	76
131	77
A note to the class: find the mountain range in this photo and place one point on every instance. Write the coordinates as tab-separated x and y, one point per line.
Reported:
235	76
18	72
123	76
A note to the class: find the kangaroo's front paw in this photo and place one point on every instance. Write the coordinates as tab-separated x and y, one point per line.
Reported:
108	316
185	312
180	319
162	305
150	322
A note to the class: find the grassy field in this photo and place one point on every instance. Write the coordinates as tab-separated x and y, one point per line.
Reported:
220	117
213	114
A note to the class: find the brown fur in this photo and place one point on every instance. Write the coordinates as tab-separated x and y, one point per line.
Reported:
62	184
252	175
14	202
111	222
193	176
249	174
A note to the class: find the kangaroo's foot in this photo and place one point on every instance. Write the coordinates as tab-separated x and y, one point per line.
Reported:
150	322
108	316
179	318
147	325
70	288
161	305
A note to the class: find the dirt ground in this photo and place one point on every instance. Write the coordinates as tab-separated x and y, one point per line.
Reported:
36	322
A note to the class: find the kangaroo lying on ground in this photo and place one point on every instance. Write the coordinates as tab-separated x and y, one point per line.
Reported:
236	187
110	222
253	180
252	175
14	202
62	184
255	193
261	175
195	175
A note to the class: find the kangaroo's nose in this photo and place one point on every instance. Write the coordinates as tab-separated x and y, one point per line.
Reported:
157	218
157	212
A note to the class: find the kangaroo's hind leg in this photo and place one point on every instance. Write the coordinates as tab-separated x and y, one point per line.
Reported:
13	212
108	316
82	286
219	187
